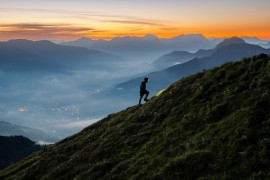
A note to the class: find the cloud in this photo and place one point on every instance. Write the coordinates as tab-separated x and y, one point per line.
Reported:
82	14
79	124
44	28
134	22
68	27
43	31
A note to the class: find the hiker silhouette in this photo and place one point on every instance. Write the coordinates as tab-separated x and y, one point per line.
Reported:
143	90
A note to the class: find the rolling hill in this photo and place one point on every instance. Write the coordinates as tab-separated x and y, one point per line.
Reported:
211	125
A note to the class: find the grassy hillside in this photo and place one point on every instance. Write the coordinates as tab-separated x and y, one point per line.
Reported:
212	125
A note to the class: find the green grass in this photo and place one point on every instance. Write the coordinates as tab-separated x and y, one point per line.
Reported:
211	125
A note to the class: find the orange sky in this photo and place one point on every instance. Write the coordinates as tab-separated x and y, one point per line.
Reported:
69	19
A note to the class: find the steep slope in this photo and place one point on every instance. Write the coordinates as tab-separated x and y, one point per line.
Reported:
14	149
211	125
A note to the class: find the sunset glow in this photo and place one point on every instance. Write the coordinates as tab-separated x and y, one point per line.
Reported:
105	19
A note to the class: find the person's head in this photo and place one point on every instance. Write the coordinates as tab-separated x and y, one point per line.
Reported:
146	79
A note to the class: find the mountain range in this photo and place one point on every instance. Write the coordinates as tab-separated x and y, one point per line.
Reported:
211	125
179	57
46	56
231	49
253	40
151	47
146	47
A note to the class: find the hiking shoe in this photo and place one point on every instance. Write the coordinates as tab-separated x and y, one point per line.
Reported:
146	99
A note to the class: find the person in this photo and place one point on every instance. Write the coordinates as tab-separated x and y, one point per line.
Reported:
143	90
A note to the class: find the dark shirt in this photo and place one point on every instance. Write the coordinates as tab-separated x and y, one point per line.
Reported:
143	86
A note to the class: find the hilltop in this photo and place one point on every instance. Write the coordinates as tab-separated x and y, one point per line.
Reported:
211	125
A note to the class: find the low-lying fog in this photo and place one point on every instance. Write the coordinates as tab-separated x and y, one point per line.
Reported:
63	103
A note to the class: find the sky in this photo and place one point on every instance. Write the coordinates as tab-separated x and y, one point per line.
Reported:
105	19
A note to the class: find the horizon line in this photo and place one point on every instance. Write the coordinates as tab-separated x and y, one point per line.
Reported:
133	36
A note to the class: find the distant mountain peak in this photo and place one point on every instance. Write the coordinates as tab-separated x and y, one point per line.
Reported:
84	38
229	41
18	40
82	42
150	37
29	42
253	37
190	37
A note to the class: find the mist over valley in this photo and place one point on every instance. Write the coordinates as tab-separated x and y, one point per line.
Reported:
62	88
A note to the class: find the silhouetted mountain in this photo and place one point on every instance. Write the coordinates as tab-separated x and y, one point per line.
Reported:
126	44
231	41
44	55
211	125
173	58
8	129
191	42
14	149
82	42
179	57
119	44
150	37
231	49
148	46
216	40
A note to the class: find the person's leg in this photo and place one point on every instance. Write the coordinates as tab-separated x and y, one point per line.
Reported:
141	96
140	100
147	93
